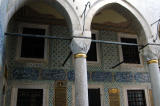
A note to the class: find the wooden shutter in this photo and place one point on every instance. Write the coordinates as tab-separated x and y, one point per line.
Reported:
151	97
114	97
60	94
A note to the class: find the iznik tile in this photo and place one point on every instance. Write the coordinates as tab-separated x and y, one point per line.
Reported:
71	75
25	73
102	76
142	77
53	75
123	77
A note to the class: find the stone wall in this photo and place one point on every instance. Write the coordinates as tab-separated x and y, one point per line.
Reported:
97	74
51	71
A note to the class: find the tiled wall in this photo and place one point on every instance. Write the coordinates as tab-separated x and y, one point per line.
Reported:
53	70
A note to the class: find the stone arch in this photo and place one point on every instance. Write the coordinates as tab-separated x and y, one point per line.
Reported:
98	6
61	6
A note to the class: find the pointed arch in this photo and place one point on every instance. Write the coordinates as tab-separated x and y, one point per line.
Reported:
61	6
99	5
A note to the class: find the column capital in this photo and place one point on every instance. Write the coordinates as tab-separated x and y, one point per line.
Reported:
151	52
81	45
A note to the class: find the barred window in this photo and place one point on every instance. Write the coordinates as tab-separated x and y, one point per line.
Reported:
136	98
130	53
30	97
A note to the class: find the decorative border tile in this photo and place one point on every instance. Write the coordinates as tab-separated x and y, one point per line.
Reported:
123	77
71	75
102	76
25	73
142	77
53	75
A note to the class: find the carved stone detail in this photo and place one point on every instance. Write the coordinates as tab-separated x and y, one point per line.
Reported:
151	52
80	45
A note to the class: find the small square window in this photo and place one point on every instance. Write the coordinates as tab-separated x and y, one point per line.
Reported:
130	53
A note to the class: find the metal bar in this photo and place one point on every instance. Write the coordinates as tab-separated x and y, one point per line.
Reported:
67	59
70	38
117	64
82	37
144	46
155	22
116	43
153	44
38	36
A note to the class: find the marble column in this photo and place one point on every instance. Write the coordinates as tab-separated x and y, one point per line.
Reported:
151	54
1	65
155	80
80	47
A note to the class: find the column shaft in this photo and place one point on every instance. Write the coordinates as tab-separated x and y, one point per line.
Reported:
81	83
155	81
2	54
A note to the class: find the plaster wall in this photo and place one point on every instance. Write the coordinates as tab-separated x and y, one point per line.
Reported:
145	7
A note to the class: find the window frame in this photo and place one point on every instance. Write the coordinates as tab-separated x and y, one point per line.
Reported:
46	45
91	86
127	35
137	87
16	86
97	49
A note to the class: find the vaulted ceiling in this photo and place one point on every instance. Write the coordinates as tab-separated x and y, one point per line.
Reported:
105	16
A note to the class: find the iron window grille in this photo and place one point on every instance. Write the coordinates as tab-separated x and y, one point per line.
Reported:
130	53
30	97
136	98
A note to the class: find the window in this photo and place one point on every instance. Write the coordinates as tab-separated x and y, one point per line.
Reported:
29	94
30	97
92	55
129	54
136	98
94	97
32	47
